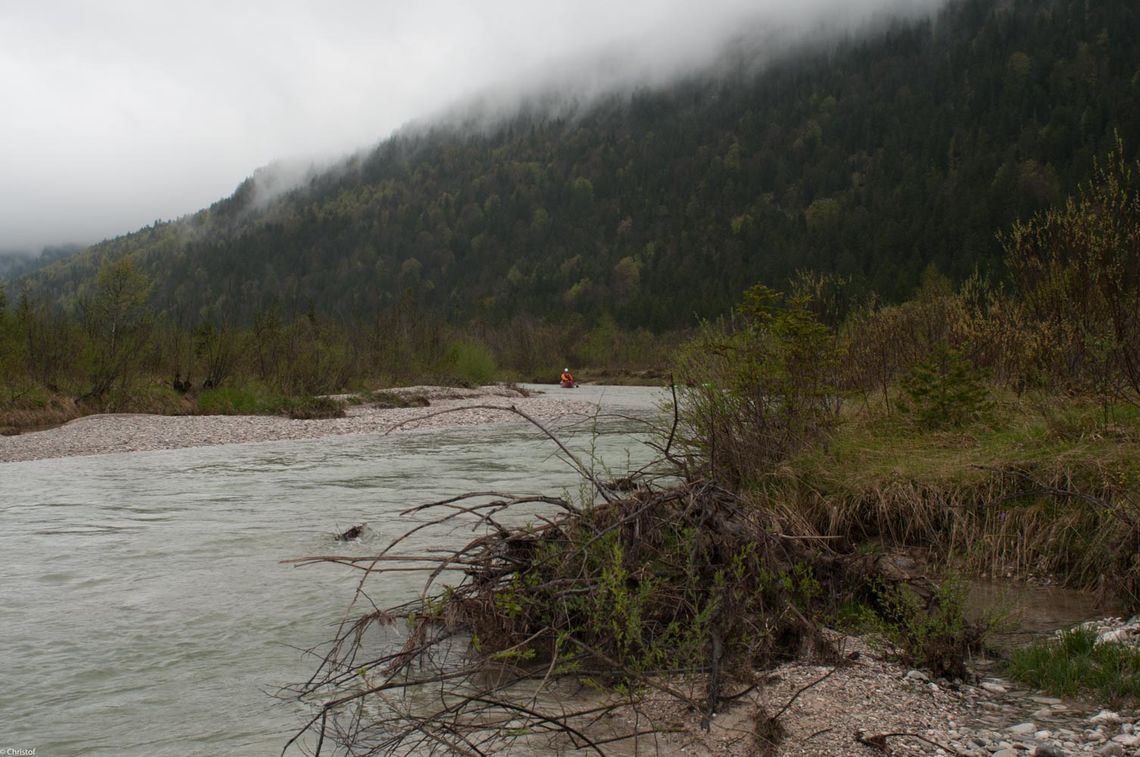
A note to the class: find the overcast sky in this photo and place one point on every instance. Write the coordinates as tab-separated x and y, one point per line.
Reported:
115	113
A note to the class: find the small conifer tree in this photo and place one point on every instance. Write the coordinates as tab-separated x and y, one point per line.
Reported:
945	391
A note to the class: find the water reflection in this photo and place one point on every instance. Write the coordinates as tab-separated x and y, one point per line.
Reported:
1028	611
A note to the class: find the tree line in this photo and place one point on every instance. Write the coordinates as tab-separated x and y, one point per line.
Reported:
869	159
114	351
1068	321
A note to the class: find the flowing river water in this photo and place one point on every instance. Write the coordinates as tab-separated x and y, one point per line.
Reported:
143	605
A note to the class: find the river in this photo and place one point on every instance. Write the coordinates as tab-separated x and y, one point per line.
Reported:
143	605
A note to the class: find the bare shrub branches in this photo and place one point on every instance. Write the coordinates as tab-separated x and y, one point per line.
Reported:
604	600
1076	267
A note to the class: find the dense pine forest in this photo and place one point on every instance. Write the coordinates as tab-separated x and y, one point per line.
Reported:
871	158
600	235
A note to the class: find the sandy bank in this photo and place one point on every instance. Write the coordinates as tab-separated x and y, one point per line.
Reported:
107	434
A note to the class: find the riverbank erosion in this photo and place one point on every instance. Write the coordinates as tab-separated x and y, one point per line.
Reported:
428	407
746	598
679	618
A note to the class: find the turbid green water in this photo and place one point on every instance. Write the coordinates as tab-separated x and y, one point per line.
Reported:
143	606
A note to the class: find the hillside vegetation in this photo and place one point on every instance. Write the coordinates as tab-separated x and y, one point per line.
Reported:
872	159
849	176
999	428
832	462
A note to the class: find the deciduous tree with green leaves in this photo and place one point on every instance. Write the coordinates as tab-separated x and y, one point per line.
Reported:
117	322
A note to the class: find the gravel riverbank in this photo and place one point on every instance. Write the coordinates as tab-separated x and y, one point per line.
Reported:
114	433
868	706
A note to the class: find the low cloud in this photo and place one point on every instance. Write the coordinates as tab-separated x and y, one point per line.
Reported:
125	112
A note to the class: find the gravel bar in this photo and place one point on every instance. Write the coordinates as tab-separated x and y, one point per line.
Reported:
117	433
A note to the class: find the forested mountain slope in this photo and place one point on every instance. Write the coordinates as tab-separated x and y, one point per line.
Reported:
872	158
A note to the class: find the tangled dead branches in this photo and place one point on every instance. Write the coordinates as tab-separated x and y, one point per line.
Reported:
538	635
587	606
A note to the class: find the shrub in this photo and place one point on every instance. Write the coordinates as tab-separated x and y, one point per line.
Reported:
1075	267
387	400
255	400
759	388
244	400
470	362
1075	664
931	632
312	408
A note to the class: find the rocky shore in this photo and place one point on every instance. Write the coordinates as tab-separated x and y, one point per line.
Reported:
870	706
115	433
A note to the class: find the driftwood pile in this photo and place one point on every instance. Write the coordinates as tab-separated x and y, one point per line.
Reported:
535	636
612	599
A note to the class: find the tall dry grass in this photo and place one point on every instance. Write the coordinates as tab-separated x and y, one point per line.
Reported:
1034	493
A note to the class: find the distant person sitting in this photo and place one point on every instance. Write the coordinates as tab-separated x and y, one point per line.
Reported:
566	379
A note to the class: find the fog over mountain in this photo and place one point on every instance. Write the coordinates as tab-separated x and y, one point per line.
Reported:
125	112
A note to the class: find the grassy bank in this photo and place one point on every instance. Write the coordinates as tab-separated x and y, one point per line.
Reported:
36	411
1043	487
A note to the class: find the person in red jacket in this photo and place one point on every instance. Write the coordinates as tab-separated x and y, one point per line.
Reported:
566	379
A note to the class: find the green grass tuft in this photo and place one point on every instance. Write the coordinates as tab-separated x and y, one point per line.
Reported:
387	400
256	400
243	400
1074	665
313	408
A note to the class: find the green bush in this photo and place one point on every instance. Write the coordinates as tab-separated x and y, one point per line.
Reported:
387	400
930	632
245	400
312	408
470	362
1074	664
758	389
255	400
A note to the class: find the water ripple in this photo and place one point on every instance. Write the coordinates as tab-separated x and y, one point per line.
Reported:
144	606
